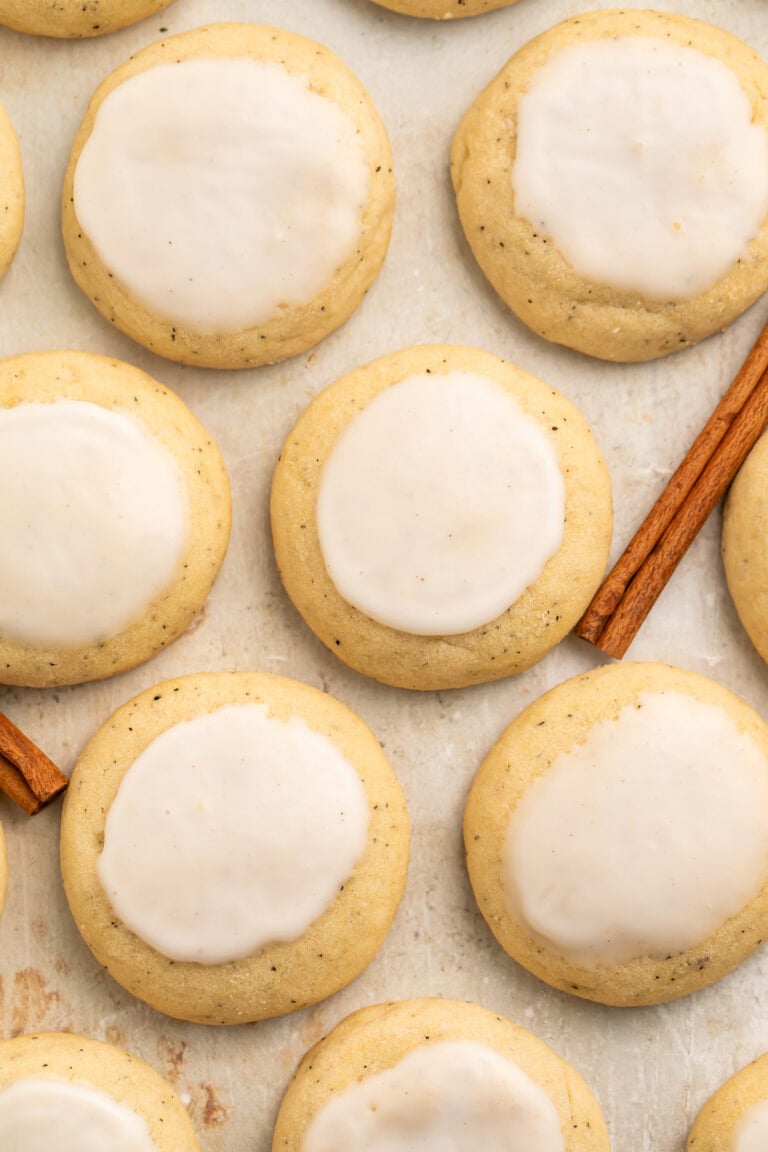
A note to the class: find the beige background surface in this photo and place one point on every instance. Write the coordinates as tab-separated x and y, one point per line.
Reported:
651	1068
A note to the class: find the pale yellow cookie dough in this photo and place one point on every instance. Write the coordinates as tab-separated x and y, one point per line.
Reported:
124	1077
75	19
44	377
522	635
745	545
715	1126
545	730
376	1038
443	9
292	329
528	271
11	192
281	977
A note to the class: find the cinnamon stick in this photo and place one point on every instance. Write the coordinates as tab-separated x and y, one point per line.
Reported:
27	775
650	532
626	597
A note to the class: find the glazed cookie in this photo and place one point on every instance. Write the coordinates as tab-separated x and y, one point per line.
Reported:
11	192
229	198
234	846
75	19
612	182
483	1082
120	517
443	9
735	1119
745	545
617	834
440	517
68	1093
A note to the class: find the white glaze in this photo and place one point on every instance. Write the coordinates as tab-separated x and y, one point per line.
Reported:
219	191
751	1133
45	1114
451	1096
439	504
640	160
645	838
98	514
232	831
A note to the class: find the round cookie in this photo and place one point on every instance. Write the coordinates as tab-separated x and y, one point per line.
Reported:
75	19
11	192
477	1069
92	1082
745	547
443	9
612	182
567	536
121	512
270	224
735	1118
311	945
617	834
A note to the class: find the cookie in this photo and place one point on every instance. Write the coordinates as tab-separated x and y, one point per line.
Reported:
443	9
118	503
234	846
11	192
67	1092
745	546
229	197
440	517
612	182
617	834
735	1119
75	19
437	1073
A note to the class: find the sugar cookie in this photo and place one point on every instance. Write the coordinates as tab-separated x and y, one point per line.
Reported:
74	19
617	834
443	9
67	1092
11	192
456	1074
229	197
612	182
440	517
234	846
735	1118
745	545
118	502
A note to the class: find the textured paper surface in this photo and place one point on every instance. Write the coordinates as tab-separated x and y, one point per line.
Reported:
651	1068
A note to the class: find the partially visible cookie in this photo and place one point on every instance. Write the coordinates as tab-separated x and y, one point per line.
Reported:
75	19
745	545
118	503
440	1069
735	1118
11	192
612	182
443	9
229	197
234	846
440	517
617	834
62	1091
